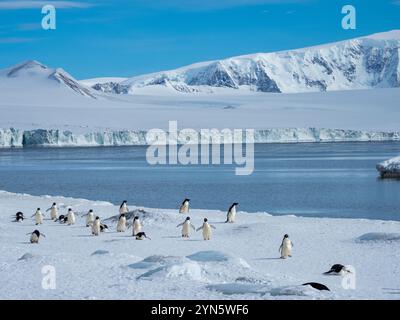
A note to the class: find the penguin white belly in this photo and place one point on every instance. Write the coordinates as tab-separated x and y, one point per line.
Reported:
286	249
96	228
71	218
38	218
121	226
207	232
137	227
123	209
232	215
34	238
184	208
54	214
89	219
186	229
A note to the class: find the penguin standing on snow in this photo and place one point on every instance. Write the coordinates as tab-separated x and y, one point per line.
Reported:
142	236
231	216
71	217
96	226
338	270
136	226
121	226
35	235
38	216
123	208
53	211
286	247
206	227
89	218
186	225
19	217
184	208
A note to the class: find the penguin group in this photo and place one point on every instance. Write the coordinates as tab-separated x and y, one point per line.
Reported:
97	227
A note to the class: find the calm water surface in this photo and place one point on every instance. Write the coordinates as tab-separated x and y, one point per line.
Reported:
321	180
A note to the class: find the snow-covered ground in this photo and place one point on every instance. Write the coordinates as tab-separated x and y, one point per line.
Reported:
240	262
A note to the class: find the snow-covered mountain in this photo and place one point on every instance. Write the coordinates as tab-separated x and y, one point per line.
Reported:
33	75
362	63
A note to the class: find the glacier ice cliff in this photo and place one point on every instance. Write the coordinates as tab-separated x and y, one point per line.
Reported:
64	138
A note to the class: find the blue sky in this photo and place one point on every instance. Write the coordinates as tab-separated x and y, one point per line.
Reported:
131	37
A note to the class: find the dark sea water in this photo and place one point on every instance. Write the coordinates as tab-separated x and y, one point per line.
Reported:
318	180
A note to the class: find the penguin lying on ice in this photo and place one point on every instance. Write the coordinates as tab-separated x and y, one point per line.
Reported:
337	269
62	219
35	235
317	286
142	236
19	217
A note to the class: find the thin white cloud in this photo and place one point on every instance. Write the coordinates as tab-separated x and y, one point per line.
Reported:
200	5
16	40
35	4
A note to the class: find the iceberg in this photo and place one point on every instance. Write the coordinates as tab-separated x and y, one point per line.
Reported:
389	168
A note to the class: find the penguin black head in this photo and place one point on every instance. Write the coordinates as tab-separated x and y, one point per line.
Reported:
69	209
187	218
286	236
123	202
19	214
122	215
97	218
186	200
205	219
38	209
90	210
136	218
235	204
54	203
37	233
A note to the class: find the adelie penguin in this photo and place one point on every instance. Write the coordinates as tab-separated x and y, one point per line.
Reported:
121	225
206	227
123	208
96	227
53	211
63	219
184	208
286	247
35	235
103	227
337	270
71	217
231	215
142	236
38	216
136	226
19	217
186	225
89	218
317	286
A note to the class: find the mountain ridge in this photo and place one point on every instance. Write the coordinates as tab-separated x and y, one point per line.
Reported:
360	63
